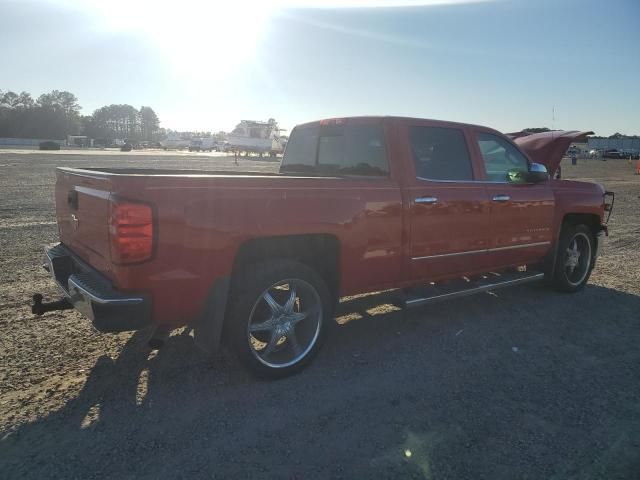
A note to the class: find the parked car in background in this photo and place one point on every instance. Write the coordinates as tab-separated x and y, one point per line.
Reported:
632	154
612	153
433	209
49	145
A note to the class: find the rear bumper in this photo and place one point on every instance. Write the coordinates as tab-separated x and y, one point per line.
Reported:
93	295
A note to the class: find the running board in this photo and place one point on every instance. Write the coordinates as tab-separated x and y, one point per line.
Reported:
491	281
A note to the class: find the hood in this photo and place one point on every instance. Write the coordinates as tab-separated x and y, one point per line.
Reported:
548	148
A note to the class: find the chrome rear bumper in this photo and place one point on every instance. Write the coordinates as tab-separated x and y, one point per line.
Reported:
93	295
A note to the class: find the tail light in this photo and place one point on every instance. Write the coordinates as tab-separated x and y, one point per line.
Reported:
130	231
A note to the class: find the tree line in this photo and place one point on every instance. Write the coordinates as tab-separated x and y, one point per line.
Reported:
56	114
123	122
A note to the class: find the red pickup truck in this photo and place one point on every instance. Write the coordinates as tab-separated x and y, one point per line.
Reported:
258	261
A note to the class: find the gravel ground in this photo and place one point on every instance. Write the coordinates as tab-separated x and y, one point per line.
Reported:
523	383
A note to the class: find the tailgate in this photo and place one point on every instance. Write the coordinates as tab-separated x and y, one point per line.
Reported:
82	211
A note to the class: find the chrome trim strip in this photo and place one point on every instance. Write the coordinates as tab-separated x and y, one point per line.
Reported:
450	254
464	181
522	245
486	250
471	291
426	200
501	198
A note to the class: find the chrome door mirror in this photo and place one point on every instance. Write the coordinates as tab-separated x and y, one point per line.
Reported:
537	173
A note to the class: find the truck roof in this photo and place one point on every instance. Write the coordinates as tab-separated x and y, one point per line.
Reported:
444	123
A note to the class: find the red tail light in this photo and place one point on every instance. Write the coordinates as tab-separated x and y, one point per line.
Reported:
131	232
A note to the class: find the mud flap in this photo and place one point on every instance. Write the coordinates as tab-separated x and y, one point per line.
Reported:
207	330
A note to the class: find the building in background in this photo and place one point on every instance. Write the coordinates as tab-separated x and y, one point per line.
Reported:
618	142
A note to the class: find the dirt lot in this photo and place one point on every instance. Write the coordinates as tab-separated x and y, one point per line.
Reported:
525	383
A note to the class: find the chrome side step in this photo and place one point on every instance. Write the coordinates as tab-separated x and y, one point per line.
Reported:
492	281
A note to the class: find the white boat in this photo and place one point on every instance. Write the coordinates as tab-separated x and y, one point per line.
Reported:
257	137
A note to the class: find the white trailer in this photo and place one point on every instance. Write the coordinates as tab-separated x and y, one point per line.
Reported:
206	144
174	142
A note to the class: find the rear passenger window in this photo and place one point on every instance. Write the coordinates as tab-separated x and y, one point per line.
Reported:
440	153
366	149
353	150
350	149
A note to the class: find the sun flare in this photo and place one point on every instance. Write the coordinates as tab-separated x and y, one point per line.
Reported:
205	36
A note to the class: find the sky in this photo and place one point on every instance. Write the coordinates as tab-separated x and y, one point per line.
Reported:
205	65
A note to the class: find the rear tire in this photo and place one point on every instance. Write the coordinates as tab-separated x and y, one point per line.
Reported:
574	260
279	316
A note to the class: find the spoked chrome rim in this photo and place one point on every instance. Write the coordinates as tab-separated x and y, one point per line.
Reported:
577	258
284	323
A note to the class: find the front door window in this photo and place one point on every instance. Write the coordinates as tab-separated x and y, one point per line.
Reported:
502	161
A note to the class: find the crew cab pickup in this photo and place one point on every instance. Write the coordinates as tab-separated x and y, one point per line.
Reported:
258	261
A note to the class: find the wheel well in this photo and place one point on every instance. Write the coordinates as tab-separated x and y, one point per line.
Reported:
591	220
319	251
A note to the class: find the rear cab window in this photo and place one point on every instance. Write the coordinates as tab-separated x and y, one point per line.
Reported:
341	147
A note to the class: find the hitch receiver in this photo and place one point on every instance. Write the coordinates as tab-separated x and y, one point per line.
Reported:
39	308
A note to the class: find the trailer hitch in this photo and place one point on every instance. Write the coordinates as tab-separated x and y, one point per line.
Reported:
39	308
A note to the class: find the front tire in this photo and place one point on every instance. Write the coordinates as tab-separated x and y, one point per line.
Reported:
574	260
279	317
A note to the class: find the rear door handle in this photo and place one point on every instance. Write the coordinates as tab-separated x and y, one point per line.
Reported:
430	200
501	198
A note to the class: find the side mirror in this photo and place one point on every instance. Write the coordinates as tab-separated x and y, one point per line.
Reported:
537	173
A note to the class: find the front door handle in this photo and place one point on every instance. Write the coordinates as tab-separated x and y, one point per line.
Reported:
501	198
430	200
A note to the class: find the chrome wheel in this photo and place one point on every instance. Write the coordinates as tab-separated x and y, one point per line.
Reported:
577	258
284	323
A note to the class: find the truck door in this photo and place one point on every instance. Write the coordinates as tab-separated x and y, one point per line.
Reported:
521	213
448	208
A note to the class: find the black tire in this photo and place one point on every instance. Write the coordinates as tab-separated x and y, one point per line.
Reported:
249	309
566	279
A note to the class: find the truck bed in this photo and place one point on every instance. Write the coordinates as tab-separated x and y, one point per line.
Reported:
202	219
